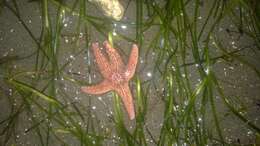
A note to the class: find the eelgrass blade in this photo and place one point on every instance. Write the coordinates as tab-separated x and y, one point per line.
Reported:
23	86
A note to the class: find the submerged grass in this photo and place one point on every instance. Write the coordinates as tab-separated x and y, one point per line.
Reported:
188	109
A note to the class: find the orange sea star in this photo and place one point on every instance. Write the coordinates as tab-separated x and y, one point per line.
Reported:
116	74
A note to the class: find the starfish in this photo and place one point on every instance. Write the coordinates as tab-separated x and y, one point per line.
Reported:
116	74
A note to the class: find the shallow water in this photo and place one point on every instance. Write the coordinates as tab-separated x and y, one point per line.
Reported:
94	113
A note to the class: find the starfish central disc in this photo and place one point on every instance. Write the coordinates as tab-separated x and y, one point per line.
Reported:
116	75
117	78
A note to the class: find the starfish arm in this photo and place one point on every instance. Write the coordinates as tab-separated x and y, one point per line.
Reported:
132	62
124	92
114	56
100	88
101	60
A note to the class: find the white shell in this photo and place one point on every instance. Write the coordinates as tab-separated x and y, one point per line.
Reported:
111	8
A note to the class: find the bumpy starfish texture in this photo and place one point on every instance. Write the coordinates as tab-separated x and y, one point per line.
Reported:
116	74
